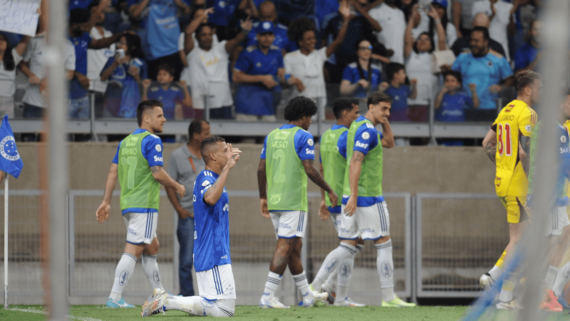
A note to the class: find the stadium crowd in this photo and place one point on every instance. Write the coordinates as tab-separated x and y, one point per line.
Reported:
240	58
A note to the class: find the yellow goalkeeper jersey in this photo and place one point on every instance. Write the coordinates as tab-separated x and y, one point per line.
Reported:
515	120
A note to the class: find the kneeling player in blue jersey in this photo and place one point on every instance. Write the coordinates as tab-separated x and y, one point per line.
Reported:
212	240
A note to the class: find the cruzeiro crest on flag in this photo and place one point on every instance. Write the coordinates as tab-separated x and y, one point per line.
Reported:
8	148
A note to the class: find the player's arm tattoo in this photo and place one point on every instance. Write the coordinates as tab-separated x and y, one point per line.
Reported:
491	150
262	179
357	157
525	157
314	175
156	169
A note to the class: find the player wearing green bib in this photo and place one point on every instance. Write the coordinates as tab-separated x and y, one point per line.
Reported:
365	211
138	166
286	161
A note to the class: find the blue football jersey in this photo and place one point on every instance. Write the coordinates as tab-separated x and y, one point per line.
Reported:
211	226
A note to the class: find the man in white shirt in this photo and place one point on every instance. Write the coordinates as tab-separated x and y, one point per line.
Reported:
96	60
208	63
393	24
499	12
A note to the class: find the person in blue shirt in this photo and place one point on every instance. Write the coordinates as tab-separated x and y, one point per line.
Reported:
141	221
362	76
80	24
158	30
169	94
212	260
399	91
452	100
124	74
224	17
259	70
488	70
527	57
267	13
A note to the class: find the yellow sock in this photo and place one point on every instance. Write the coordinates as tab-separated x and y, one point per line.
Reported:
501	260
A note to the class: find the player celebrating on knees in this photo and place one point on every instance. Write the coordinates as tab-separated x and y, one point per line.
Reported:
138	165
333	165
365	211
286	161
509	135
212	240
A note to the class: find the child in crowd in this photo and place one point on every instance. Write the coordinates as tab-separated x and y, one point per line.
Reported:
171	95
398	91
124	71
452	100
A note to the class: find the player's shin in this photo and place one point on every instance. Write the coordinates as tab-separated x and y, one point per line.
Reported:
385	266
123	272
150	267
344	275
497	270
508	287
561	279
271	285
330	265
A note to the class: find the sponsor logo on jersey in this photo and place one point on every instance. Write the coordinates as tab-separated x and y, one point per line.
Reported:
365	135
205	183
275	198
224	257
157	159
309	152
528	128
497	181
563	150
226	207
563	139
310	142
386	269
508	108
359	144
158	148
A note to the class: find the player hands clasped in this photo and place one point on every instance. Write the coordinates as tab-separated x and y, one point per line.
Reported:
138	165
510	135
333	166
365	213
286	161
212	240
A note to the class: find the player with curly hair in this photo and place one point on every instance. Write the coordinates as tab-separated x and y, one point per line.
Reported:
286	160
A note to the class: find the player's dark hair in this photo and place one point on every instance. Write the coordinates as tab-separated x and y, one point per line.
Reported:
392	69
166	67
482	30
195	127
415	46
144	106
358	66
525	78
78	16
212	140
300	107
297	29
8	59
453	73
378	97
202	26
134	46
343	103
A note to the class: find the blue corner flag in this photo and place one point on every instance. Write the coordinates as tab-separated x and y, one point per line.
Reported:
10	161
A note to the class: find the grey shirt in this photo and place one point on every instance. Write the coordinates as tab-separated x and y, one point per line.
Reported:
180	170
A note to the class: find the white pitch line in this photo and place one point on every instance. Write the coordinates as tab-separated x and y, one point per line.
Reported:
43	312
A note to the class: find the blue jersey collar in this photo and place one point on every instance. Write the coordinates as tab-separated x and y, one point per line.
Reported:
287	126
336	126
139	130
362	118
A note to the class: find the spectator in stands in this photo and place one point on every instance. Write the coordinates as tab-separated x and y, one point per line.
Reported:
80	23
463	45
96	60
208	65
393	26
158	30
525	12
224	16
203	14
465	8
450	32
500	13
359	27
324	8
10	57
124	71
362	76
173	96
452	100
528	56
418	66
484	68
289	10
267	12
305	66
259	70
399	91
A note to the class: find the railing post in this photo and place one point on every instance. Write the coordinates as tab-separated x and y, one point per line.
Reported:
431	121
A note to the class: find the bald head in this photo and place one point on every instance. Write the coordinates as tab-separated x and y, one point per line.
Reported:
481	20
267	11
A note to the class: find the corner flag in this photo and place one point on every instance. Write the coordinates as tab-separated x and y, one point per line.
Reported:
10	161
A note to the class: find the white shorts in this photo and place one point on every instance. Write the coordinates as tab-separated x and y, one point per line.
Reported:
369	223
217	283
141	227
336	219
289	224
557	220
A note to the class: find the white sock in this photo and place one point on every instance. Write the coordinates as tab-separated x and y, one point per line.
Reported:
332	279
150	268
302	283
509	283
495	272
271	285
197	305
561	280
550	277
385	266
331	262
123	272
344	275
